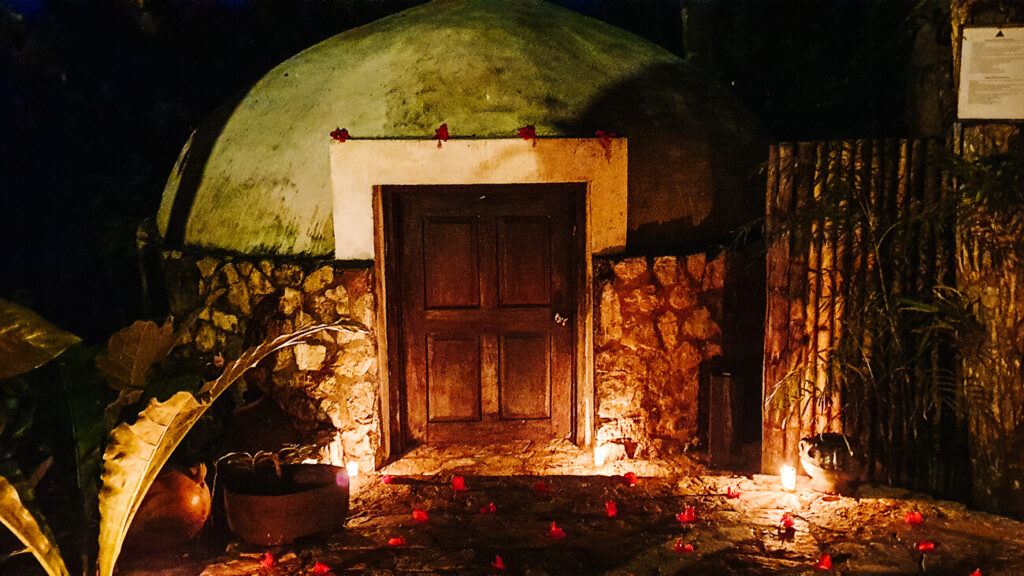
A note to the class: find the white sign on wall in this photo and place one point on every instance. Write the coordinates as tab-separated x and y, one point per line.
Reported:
992	74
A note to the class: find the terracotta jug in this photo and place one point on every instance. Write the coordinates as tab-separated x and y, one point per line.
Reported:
174	510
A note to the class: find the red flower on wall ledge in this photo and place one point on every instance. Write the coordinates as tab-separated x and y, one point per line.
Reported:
528	133
630	478
267	561
681	548
459	484
441	134
420	515
687	517
556	532
825	563
386	479
606	142
321	568
489	509
926	546
913	518
731	492
340	134
498	563
396	542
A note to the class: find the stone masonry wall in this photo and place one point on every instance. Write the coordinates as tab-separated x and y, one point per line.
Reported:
328	386
657	323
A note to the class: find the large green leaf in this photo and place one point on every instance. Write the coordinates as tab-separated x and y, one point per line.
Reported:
27	341
137	452
15	515
132	351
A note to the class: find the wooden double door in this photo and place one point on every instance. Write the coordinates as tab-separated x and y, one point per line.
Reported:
487	282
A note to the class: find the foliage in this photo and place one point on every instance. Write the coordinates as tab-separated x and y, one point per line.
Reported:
28	341
137	451
15	515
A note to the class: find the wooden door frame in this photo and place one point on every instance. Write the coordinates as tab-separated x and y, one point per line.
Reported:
388	264
360	167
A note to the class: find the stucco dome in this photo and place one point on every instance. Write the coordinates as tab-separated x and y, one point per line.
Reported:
255	177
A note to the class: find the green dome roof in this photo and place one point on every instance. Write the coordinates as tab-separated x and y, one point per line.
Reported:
255	178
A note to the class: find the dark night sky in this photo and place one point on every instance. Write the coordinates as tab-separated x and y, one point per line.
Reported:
99	95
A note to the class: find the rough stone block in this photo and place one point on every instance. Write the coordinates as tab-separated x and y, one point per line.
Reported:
666	270
611	316
291	300
309	357
714	273
287	275
630	269
238	297
259	284
318	280
682	297
643	300
668	328
699	325
363	310
207	266
225	322
206	337
695	266
244	268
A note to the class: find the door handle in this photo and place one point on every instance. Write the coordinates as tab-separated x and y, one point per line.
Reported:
561	320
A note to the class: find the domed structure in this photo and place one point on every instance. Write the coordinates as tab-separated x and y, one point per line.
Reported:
255	178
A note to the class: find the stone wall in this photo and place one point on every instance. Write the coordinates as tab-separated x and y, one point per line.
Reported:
328	386
657	326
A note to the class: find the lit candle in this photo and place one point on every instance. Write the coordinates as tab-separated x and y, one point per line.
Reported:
353	468
788	474
600	455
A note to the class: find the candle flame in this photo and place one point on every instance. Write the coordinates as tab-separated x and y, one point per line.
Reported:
353	468
788	474
600	455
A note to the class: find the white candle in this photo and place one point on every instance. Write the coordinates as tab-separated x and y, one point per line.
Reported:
353	468
600	455
788	474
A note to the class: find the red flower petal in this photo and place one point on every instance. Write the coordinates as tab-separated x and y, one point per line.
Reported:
386	479
542	486
527	132
825	563
396	542
787	521
489	509
977	572
340	134
321	568
732	493
681	548
458	483
441	134
498	564
267	561
556	532
913	518
926	546
687	517
631	478
611	508
420	515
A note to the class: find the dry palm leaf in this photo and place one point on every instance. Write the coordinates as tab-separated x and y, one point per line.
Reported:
27	341
132	351
137	452
15	515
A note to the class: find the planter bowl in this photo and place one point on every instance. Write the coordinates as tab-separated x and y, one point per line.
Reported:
265	509
831	461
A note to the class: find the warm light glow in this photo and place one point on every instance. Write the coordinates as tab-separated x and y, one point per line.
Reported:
310	461
788	474
352	468
600	455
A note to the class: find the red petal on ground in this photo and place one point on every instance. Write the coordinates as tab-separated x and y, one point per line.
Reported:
556	532
681	548
631	478
527	132
458	483
687	517
542	486
913	518
611	508
267	561
825	563
787	521
489	509
498	564
386	479
732	493
977	572
926	546
321	568
420	515
396	542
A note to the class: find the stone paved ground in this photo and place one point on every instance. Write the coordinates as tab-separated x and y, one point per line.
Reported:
866	534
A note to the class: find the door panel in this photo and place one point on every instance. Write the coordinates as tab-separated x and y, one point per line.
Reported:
483	273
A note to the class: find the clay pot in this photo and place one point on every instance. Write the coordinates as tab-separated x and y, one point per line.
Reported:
268	509
173	511
831	461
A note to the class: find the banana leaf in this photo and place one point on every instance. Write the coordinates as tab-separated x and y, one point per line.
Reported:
15	515
137	452
27	341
